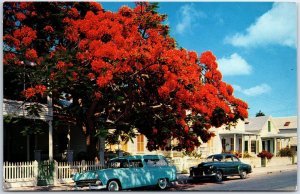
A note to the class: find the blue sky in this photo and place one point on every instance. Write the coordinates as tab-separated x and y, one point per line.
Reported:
254	42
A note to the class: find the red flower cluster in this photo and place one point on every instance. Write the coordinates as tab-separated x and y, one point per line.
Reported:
30	92
31	55
265	154
49	29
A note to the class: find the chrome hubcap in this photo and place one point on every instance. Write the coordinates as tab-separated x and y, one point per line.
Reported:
113	186
162	183
219	176
244	174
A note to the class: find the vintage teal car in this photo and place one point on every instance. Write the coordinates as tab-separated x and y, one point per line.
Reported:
129	172
219	166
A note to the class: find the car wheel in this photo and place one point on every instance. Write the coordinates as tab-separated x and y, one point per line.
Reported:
162	183
113	186
243	174
218	176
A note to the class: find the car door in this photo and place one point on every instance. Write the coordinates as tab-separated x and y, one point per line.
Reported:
236	164
151	171
119	169
228	165
138	173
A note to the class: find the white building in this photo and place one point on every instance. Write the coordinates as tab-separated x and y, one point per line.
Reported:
254	135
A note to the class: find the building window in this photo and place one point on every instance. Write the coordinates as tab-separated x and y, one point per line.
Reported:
223	144
246	146
269	126
240	144
253	146
232	144
140	143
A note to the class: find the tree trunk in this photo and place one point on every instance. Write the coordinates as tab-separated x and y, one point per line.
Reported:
91	144
91	140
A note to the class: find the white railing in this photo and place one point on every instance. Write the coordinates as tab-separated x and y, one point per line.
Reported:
64	170
16	174
20	171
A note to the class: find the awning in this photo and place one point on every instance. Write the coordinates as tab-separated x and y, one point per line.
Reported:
232	132
284	136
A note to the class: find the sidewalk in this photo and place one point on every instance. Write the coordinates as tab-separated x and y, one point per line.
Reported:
272	169
182	178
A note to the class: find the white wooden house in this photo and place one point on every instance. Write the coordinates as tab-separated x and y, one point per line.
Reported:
254	135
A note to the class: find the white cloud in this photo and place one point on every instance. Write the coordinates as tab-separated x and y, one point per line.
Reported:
253	91
234	65
277	26
188	17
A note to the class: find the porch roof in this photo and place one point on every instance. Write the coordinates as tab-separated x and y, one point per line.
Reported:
231	132
284	136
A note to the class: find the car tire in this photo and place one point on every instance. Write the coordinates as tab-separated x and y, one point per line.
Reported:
162	183
243	174
113	185
218	176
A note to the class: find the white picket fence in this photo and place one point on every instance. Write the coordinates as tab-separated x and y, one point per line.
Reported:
18	174
20	171
64	170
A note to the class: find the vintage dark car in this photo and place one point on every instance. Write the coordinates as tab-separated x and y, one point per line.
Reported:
219	166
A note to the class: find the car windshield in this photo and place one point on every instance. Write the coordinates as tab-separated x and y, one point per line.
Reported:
209	159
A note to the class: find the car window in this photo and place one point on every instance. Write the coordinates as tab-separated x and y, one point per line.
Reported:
218	158
227	159
156	162
135	163
121	163
235	159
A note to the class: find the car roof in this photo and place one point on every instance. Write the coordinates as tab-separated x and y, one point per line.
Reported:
139	157
224	154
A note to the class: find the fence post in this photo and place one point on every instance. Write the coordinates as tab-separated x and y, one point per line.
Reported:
55	173
35	171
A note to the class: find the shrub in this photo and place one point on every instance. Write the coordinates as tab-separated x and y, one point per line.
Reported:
184	171
286	152
265	154
247	155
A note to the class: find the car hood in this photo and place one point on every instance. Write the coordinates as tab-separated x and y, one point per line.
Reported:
93	174
85	175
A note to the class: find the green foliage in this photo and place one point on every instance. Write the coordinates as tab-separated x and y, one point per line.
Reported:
286	152
192	154
247	155
260	114
184	171
34	109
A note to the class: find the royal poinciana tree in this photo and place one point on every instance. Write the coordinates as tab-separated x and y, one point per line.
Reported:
118	71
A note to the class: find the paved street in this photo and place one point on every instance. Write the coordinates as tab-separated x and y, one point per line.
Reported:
279	181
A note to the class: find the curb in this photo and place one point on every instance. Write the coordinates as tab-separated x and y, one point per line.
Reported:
261	170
